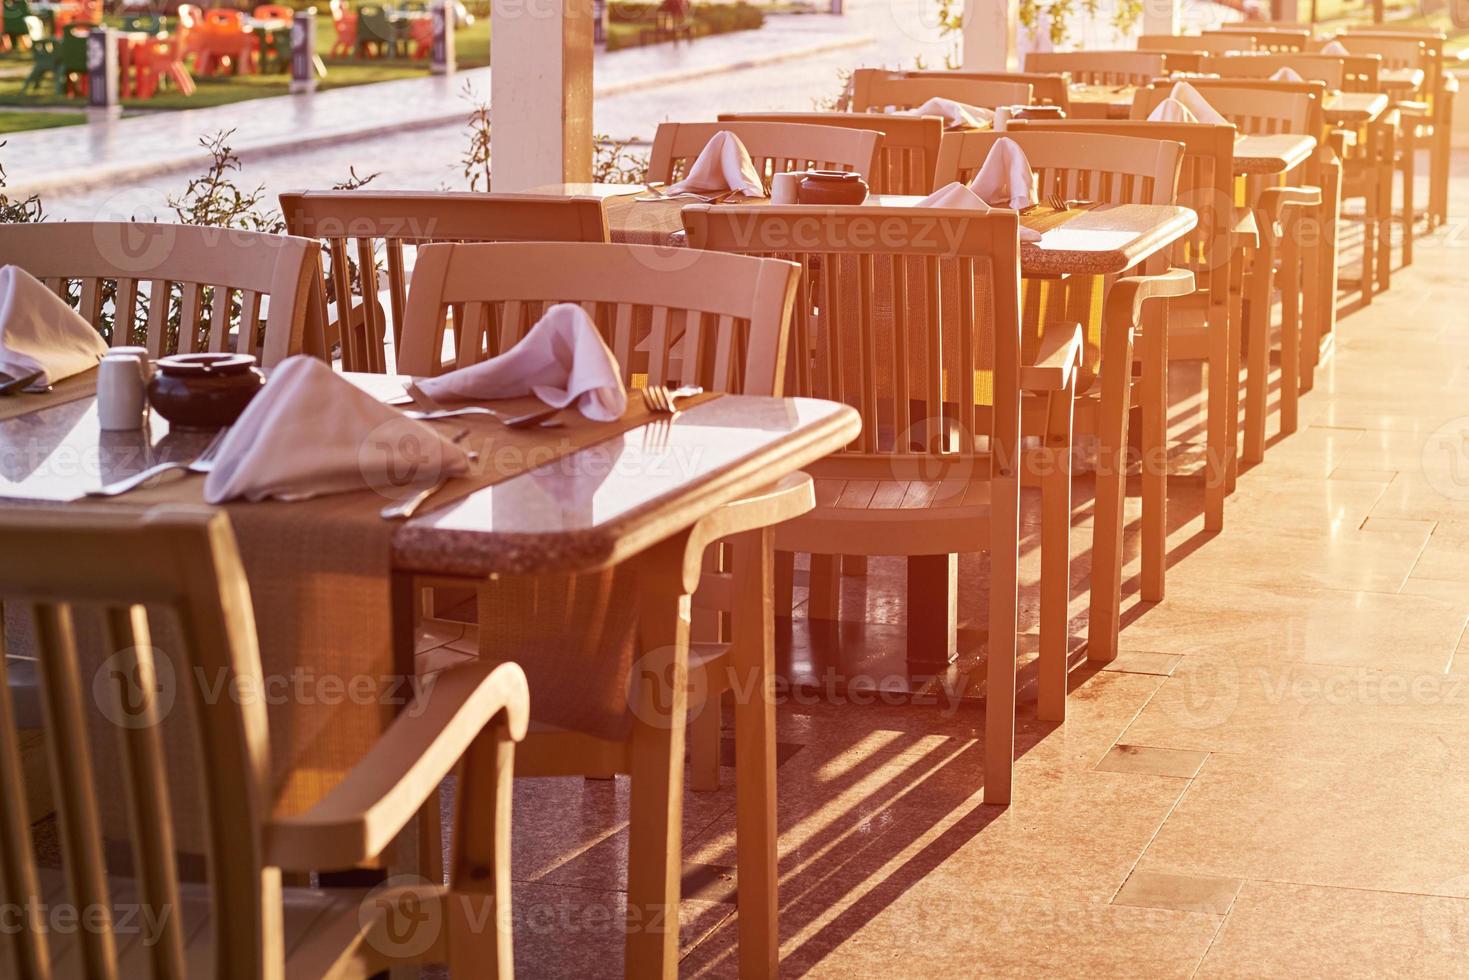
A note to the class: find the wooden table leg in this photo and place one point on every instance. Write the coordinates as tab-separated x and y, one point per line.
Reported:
655	844
1154	348
755	822
1056	557
1107	522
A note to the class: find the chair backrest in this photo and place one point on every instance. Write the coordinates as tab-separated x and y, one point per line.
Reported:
180	561
1205	183
177	288
1077	166
1326	69
876	90
909	315
273	11
719	321
774	147
1100	67
1045	89
382	230
1402	51
905	156
1253	106
1207	43
220	19
1275	40
144	23
1433	52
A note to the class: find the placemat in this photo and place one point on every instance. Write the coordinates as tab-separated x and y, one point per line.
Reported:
66	390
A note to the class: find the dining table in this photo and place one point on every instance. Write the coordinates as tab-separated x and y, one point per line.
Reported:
567	501
1354	109
1098	241
1397	81
1101	101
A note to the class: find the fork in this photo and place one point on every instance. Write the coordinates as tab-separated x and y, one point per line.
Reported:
1056	202
18	385
202	463
659	399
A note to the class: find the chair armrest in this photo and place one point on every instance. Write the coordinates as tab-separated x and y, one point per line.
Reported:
1057	359
1274	200
1126	297
1412	108
358	819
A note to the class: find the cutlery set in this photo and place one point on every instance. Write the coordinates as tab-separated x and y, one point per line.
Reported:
25	384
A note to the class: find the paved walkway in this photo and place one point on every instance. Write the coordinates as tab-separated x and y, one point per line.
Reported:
123	152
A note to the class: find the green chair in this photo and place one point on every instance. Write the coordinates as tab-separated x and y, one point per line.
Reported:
374	28
72	56
16	12
275	53
44	58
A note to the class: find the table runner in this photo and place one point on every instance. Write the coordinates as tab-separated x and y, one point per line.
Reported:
319	578
67	390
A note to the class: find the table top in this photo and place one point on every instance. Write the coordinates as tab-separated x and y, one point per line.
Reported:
1101	101
1271	153
1354	108
589	509
1102	241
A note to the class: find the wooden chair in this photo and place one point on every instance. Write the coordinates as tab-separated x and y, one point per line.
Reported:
720	322
1213	44
183	561
1325	69
382	230
903	302
1100	67
774	147
876	90
1417	116
1112	169
1284	250
1045	89
1276	40
1439	90
178	288
905	156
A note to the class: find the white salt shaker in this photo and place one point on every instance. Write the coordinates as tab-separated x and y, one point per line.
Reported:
122	394
144	361
783	188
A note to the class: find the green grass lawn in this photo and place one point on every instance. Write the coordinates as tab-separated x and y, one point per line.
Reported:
14	121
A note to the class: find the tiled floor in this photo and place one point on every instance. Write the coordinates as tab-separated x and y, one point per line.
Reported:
1271	780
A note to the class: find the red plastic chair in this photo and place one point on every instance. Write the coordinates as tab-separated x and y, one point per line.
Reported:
421	33
161	59
225	40
345	22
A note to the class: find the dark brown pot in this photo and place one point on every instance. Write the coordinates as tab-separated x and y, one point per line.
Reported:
204	391
831	187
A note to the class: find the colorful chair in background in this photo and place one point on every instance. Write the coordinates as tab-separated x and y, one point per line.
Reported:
344	20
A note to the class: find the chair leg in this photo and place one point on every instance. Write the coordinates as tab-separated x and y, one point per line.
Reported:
1410	191
1257	375
1384	226
1236	335
1106	592
933	610
755	820
1154	349
1438	170
1290	323
1218	447
785	583
705	733
826	588
656	809
1056	557
479	925
1003	647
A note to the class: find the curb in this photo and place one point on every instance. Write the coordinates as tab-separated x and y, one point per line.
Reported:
122	173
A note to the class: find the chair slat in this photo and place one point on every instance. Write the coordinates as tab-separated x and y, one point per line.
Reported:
219	321
373	328
193	301
124	311
19	886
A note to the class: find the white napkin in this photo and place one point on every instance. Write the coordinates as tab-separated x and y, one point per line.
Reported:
1336	49
40	332
563	359
1286	74
311	432
722	165
1173	111
1005	178
1196	103
956	115
960	196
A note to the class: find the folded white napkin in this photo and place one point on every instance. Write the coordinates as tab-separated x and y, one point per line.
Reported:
1005	179
960	196
1171	110
1286	74
40	332
311	432
563	359
1336	49
1196	103
956	115
722	165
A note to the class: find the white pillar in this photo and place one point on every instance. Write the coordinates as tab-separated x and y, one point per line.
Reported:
1160	16
540	92
989	35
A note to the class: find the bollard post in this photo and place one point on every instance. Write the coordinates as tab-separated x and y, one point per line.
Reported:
303	51
103	98
443	58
